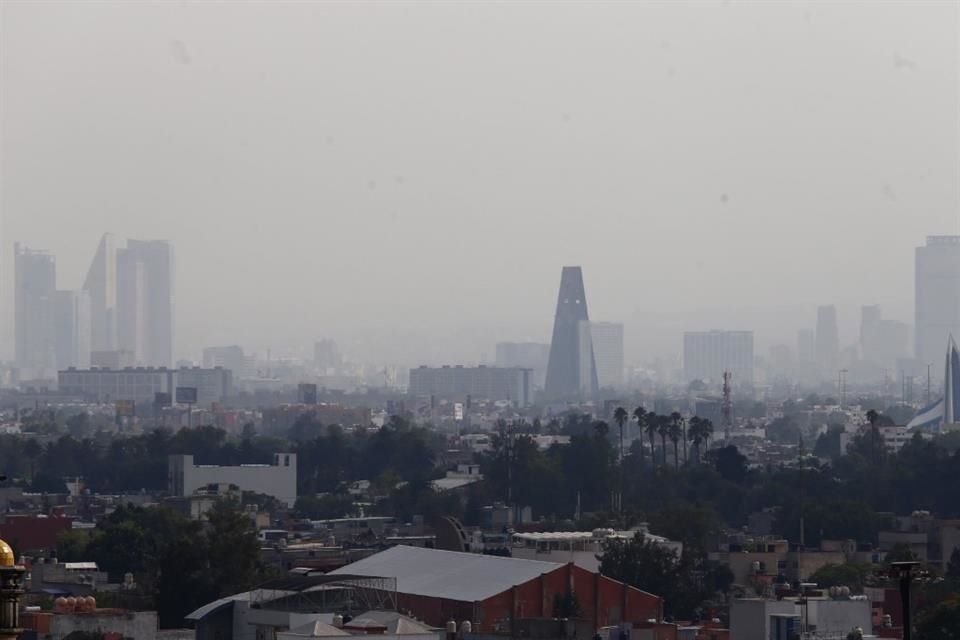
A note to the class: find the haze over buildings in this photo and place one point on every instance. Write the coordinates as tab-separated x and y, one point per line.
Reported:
703	192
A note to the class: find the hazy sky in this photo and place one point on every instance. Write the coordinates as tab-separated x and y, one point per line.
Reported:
412	176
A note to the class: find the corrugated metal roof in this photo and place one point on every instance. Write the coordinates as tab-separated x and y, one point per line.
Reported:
468	577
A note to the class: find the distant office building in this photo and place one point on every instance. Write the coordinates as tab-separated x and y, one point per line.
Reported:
806	345
145	297
140	384
101	286
707	354
72	329
326	354
457	383
525	355
230	357
828	339
278	480
937	296
35	289
882	342
606	340
104	385
212	385
571	370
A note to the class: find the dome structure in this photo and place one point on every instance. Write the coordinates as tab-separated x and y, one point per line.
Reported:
7	559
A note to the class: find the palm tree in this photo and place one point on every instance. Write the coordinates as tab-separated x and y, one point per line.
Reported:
640	415
621	416
651	423
700	431
663	428
675	432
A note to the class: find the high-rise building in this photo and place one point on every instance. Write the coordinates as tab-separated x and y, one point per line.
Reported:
101	286
606	339
145	299
35	288
937	296
828	340
72	329
525	355
806	345
707	354
882	342
571	370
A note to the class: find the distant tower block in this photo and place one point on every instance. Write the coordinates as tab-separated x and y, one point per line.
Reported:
571	371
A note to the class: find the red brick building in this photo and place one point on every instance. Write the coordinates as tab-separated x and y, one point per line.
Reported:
494	593
33	533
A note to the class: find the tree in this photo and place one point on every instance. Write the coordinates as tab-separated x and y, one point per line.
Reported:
942	622
675	432
729	463
699	432
620	416
842	575
233	548
640	415
663	428
652	423
953	565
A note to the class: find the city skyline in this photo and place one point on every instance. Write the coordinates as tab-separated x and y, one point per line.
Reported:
268	202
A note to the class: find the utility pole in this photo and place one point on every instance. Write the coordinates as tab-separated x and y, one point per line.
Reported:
928	383
801	495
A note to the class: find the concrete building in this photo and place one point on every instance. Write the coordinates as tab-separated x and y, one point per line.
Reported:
326	355
827	340
707	354
606	340
459	382
145	294
72	329
936	296
525	355
495	593
571	370
139	384
583	548
111	385
212	385
765	619
101	286
109	623
278	479
228	357
35	289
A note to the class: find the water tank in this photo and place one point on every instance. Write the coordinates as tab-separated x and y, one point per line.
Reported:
466	627
451	626
834	592
60	604
844	592
337	620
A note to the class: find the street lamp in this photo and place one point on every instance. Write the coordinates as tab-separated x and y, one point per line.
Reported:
904	571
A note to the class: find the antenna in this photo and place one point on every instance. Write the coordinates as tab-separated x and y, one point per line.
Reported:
726	407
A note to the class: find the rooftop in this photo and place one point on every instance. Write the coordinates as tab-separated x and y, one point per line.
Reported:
452	575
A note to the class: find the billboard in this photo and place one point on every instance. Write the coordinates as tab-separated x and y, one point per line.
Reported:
186	395
124	408
162	399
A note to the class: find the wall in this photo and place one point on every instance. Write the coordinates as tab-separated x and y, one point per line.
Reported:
750	618
141	625
839	615
278	480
